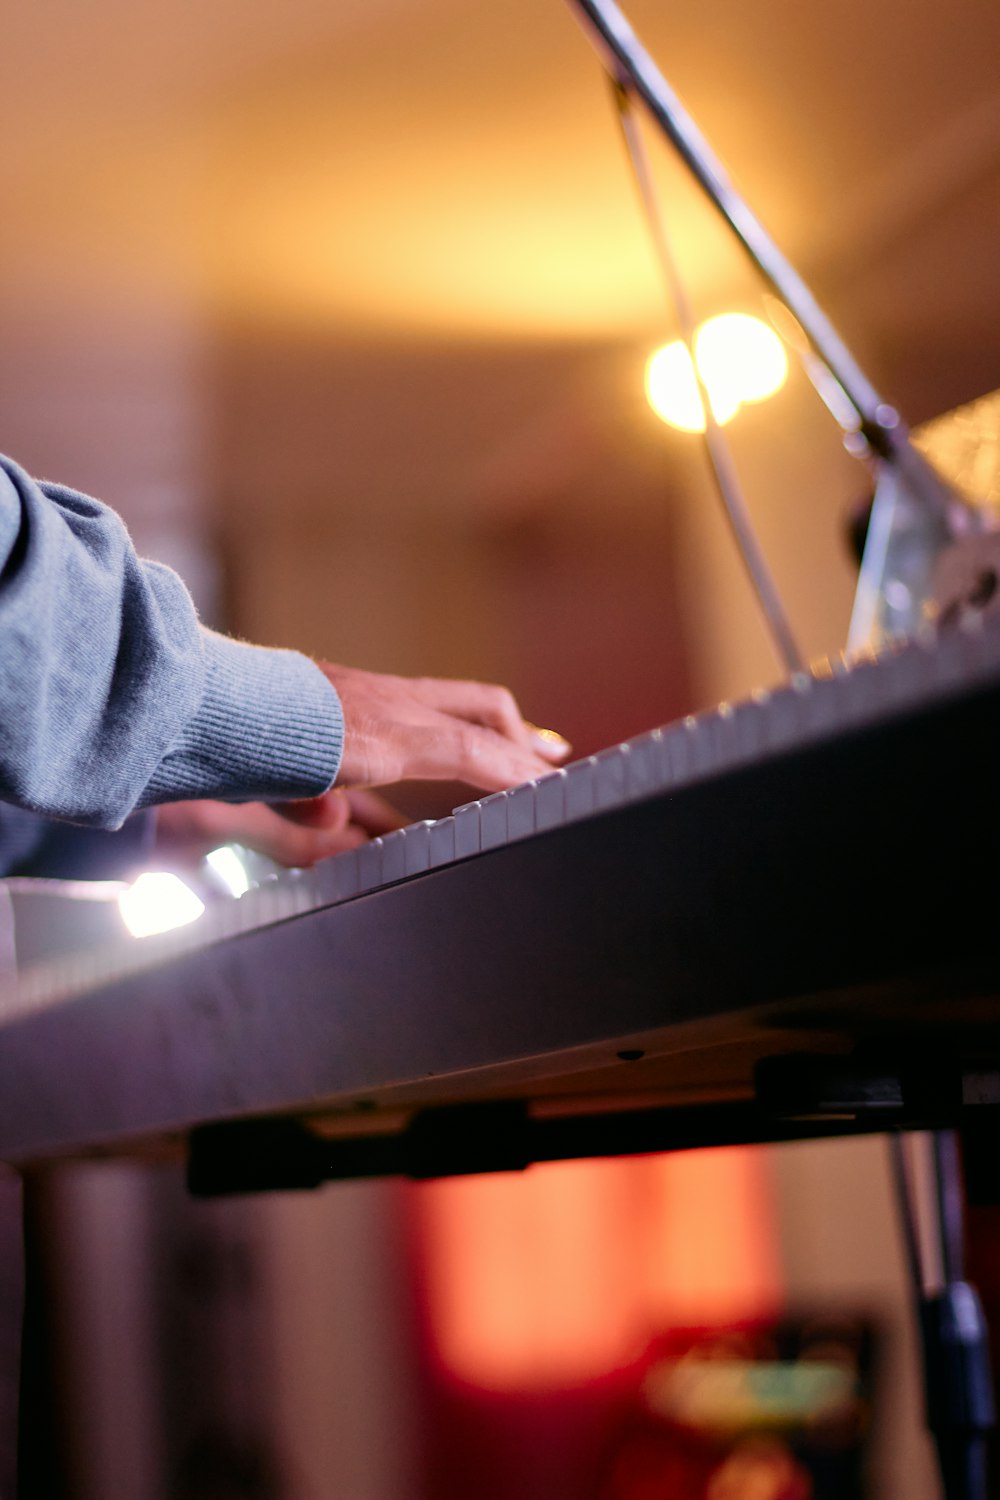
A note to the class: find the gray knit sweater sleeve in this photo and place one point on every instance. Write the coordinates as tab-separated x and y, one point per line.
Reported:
113	696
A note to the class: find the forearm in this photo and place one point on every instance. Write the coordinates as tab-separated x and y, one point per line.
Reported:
268	727
113	696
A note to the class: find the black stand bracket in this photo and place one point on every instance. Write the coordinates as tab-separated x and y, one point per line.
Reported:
795	1098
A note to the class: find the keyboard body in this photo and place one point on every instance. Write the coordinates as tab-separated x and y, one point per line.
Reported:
809	870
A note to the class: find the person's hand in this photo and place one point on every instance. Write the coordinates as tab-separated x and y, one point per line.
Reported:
295	834
430	729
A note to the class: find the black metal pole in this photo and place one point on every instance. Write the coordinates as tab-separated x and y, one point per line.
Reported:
954	1342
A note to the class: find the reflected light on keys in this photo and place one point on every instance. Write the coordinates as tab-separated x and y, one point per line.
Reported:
157	902
740	360
227	865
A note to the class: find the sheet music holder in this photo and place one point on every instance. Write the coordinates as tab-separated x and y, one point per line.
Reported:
915	514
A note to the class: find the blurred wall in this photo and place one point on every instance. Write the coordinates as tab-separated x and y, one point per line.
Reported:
504	510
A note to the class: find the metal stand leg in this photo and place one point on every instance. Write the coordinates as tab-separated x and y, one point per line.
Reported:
11	1308
954	1340
40	1457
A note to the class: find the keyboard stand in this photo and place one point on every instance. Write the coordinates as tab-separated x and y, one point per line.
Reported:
796	1098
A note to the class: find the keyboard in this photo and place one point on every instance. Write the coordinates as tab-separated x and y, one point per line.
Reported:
684	895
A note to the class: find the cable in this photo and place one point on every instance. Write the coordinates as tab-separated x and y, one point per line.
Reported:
723	467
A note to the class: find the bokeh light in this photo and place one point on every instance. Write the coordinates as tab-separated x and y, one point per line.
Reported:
740	360
157	902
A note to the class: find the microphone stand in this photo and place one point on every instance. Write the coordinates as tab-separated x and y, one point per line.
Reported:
958	1384
915	515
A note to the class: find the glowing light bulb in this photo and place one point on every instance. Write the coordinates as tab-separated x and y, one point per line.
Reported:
739	360
741	355
156	902
672	390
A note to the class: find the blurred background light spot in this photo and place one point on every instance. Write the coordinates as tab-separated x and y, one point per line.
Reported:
739	359
157	902
226	864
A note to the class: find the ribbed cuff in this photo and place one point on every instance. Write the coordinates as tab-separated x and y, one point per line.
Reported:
269	729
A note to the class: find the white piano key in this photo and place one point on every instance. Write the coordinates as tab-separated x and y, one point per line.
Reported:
704	739
393	856
610	789
581	777
493	821
348	874
643	764
864	698
249	911
822	707
215	922
417	847
299	891
804	688
905	676
268	899
699	741
747	725
442	842
783	719
313	887
664	755
336	879
728	736
677	754
521	810
369	865
466	829
243	911
550	801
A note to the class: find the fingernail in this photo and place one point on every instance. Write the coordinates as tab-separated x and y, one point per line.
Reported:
554	746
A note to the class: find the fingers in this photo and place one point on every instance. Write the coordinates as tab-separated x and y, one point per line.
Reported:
334	810
495	708
478	702
189	830
292	844
441	748
398	728
479	756
372	813
302	833
550	743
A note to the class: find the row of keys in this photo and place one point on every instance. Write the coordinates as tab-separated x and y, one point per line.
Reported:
833	700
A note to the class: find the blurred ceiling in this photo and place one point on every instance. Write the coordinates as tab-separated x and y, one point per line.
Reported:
440	170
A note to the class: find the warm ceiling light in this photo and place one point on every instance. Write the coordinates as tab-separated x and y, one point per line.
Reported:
739	360
672	390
